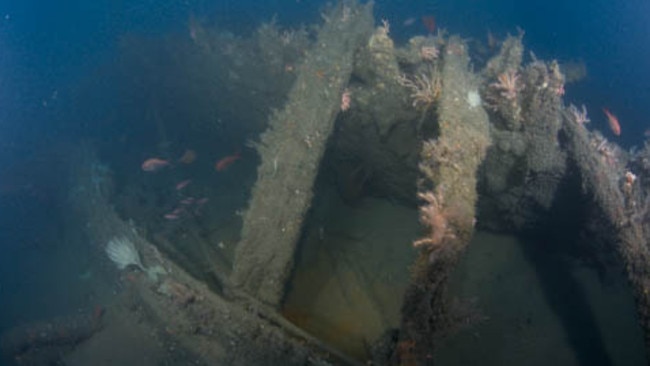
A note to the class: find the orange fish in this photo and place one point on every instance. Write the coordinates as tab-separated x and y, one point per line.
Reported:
154	164
224	163
613	122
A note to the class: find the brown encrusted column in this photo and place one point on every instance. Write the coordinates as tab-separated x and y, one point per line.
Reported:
619	203
291	151
449	166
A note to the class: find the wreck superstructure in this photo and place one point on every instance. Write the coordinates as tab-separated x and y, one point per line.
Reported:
488	149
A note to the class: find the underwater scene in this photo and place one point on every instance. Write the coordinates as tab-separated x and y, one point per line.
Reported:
220	182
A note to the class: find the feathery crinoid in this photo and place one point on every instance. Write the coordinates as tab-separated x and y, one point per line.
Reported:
508	84
434	217
425	88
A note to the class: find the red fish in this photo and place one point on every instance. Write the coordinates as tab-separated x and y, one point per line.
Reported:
154	164
183	184
429	23
224	163
187	201
174	215
613	122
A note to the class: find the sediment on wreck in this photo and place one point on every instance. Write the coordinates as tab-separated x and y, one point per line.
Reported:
617	204
449	165
291	151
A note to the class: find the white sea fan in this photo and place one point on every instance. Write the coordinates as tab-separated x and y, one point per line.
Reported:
473	98
123	253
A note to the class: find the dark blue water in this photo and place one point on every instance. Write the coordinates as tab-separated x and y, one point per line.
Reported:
48	46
